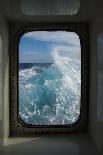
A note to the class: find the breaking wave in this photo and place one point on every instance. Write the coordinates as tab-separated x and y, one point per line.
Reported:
49	94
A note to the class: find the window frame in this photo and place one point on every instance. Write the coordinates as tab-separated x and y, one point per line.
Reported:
17	126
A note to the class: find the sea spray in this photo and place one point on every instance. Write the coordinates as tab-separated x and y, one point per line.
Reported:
49	94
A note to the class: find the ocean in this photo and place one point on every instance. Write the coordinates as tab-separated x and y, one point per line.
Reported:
50	93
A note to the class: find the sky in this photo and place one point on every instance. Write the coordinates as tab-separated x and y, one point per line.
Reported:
40	46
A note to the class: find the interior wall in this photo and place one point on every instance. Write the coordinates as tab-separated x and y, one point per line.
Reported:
0	84
96	102
4	63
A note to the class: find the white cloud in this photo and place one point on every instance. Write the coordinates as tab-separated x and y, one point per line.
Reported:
66	43
70	38
34	57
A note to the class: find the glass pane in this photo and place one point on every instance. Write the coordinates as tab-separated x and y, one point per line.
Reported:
47	7
49	77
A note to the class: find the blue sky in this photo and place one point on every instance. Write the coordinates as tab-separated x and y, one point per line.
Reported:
39	46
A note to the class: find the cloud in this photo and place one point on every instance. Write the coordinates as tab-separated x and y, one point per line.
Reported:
70	38
34	57
66	43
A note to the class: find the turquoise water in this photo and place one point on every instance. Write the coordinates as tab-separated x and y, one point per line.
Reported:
49	94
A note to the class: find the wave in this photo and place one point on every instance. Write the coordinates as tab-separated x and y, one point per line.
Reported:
51	95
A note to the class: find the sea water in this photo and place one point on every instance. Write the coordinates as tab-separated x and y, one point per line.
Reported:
50	93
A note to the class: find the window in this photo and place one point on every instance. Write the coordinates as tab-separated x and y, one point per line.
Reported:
45	7
49	79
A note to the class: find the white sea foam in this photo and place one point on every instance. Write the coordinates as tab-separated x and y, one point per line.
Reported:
54	96
27	73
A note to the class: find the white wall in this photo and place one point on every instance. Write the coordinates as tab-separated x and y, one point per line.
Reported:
0	83
96	102
71	144
0	78
3	62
